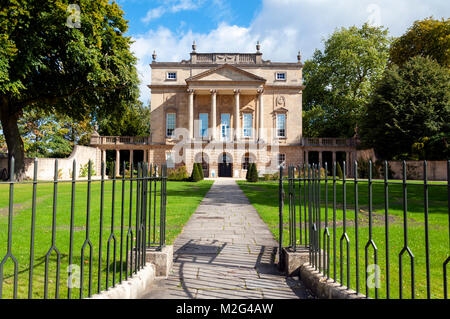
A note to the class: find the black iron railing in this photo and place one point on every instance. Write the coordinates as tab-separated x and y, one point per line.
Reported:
55	244
335	220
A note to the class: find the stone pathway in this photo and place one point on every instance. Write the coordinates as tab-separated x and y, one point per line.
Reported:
225	251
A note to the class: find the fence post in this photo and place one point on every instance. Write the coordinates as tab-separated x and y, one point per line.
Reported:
280	212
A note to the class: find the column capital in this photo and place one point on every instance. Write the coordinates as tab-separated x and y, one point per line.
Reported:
260	91
213	91
237	91
191	91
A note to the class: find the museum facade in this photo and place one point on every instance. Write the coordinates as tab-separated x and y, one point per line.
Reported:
226	110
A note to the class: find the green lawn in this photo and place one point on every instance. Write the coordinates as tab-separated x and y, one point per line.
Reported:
264	197
182	200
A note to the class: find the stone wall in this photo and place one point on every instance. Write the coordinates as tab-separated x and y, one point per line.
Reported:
437	170
46	166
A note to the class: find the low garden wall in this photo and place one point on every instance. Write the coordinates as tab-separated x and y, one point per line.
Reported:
46	166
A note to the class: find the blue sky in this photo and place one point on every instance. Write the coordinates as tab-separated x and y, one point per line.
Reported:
282	26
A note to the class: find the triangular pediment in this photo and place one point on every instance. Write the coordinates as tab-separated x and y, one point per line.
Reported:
226	73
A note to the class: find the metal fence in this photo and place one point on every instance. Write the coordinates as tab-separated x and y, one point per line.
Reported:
78	237
381	245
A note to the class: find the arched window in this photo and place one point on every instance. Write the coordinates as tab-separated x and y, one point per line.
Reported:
247	159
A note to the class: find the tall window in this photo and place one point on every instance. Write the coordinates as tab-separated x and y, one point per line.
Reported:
203	125
225	126
170	160
248	123
170	124
281	125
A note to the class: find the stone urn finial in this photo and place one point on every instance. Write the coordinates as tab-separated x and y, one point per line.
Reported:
299	57
194	47
258	47
154	55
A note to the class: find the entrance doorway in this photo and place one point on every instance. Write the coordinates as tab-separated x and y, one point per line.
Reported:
225	165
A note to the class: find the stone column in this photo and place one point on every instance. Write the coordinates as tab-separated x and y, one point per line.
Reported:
214	114
306	157
117	162
237	126
334	158
103	160
320	158
145	156
349	165
191	113
261	115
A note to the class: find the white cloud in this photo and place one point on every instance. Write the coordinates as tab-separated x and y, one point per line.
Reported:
282	26
171	6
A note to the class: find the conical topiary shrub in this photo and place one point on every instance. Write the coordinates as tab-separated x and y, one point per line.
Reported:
253	175
248	171
200	171
195	177
339	173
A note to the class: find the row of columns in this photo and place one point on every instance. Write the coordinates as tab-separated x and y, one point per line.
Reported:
131	158
237	93
348	159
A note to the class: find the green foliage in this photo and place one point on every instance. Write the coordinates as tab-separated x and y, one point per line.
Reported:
177	174
339	173
84	170
427	38
253	173
271	177
409	114
340	79
46	65
197	173
133	120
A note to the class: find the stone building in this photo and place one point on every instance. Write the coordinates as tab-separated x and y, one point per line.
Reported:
225	110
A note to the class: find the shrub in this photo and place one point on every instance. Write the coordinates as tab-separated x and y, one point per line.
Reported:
196	173
200	171
177	174
253	174
339	173
84	170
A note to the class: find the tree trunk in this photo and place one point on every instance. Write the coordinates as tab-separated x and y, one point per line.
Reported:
13	139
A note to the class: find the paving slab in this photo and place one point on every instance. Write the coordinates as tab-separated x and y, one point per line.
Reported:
226	251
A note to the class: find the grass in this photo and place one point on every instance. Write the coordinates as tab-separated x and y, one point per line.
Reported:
264	197
182	200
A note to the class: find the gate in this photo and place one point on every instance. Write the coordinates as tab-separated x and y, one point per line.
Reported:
98	231
357	232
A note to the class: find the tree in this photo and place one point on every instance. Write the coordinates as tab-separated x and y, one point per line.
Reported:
134	120
340	79
47	64
428	37
52	135
409	115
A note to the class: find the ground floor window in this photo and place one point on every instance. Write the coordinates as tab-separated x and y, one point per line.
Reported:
170	161
282	160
